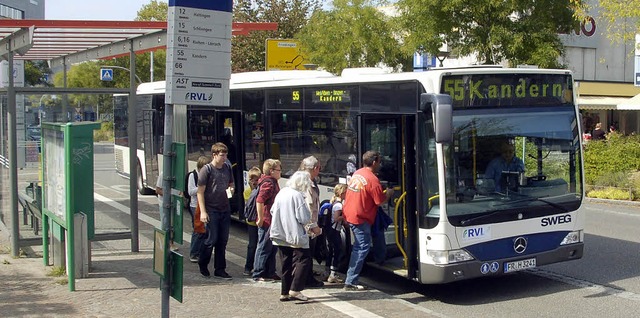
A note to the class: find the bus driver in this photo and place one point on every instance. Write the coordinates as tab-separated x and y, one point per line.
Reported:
505	162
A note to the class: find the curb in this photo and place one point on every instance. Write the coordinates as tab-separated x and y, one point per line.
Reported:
615	202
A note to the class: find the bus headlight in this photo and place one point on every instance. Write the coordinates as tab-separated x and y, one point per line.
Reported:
571	238
448	257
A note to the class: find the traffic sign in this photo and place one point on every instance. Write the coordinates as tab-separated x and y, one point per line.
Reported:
199	52
106	74
284	54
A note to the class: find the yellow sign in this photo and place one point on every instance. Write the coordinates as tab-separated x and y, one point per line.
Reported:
283	54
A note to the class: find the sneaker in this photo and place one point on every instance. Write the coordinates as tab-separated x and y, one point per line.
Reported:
205	273
262	279
276	277
334	279
353	287
247	273
193	259
285	297
222	275
297	296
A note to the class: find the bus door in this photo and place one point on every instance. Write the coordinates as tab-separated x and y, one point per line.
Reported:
393	136
150	146
229	131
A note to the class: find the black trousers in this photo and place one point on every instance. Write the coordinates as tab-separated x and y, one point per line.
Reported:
295	265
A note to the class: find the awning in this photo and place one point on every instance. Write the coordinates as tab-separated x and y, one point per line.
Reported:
600	102
630	104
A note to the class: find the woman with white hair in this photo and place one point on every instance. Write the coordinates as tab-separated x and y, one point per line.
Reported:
289	215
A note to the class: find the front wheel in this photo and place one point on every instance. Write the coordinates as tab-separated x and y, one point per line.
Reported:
140	182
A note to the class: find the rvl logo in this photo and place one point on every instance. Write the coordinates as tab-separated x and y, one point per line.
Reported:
198	96
473	232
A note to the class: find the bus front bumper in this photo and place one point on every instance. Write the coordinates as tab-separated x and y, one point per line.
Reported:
440	274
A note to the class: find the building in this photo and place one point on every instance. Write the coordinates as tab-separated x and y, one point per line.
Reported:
22	9
604	74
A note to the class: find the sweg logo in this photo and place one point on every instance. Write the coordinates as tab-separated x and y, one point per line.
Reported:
198	96
469	233
553	220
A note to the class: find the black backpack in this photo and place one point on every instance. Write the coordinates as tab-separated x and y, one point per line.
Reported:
250	207
185	194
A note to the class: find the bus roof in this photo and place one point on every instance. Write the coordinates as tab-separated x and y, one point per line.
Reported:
297	78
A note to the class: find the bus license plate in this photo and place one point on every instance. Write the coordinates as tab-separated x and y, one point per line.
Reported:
519	265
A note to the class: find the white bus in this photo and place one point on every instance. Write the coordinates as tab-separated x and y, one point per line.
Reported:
437	132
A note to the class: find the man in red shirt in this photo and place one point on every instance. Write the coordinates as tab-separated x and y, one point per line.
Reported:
364	195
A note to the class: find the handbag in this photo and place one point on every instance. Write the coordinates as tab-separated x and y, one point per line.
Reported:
198	226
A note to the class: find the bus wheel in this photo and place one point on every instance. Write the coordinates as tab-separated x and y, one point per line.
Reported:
141	188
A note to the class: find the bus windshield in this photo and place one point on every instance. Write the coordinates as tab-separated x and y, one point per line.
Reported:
524	161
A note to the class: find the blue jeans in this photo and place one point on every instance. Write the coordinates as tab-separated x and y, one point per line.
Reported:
217	236
265	263
361	246
196	238
251	247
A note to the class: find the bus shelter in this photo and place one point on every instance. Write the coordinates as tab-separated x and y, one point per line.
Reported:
64	43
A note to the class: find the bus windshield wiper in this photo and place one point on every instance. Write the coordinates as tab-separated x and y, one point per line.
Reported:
529	199
480	217
495	212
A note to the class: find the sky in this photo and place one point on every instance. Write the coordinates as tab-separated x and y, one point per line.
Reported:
114	10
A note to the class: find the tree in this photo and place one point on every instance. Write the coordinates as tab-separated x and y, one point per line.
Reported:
34	72
352	34
622	17
521	32
153	11
248	53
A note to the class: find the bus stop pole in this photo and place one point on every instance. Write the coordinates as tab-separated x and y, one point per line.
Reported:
13	157
165	213
133	151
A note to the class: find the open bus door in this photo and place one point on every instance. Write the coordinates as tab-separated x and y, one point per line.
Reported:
229	131
151	144
393	136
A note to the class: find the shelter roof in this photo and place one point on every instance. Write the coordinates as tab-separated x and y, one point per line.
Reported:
58	38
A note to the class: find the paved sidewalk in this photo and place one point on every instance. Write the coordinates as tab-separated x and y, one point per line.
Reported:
122	284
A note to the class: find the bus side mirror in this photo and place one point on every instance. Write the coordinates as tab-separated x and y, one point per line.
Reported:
442	109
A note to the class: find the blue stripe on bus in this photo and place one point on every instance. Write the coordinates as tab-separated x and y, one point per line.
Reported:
503	248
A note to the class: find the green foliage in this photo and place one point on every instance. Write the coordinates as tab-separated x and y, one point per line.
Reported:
34	73
352	34
57	271
248	52
105	133
604	159
610	193
153	11
521	32
622	18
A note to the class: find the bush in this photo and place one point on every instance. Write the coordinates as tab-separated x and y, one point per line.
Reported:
608	161
105	133
610	193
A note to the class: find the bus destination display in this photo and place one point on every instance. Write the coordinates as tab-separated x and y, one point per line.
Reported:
498	90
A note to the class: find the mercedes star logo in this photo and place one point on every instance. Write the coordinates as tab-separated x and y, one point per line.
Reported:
520	245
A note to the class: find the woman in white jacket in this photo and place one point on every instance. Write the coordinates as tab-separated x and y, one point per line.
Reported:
290	213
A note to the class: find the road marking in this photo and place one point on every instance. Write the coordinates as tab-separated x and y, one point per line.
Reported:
335	303
600	289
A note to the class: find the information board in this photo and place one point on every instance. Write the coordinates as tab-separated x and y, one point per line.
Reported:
199	52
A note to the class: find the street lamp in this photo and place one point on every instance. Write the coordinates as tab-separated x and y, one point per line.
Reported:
441	56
